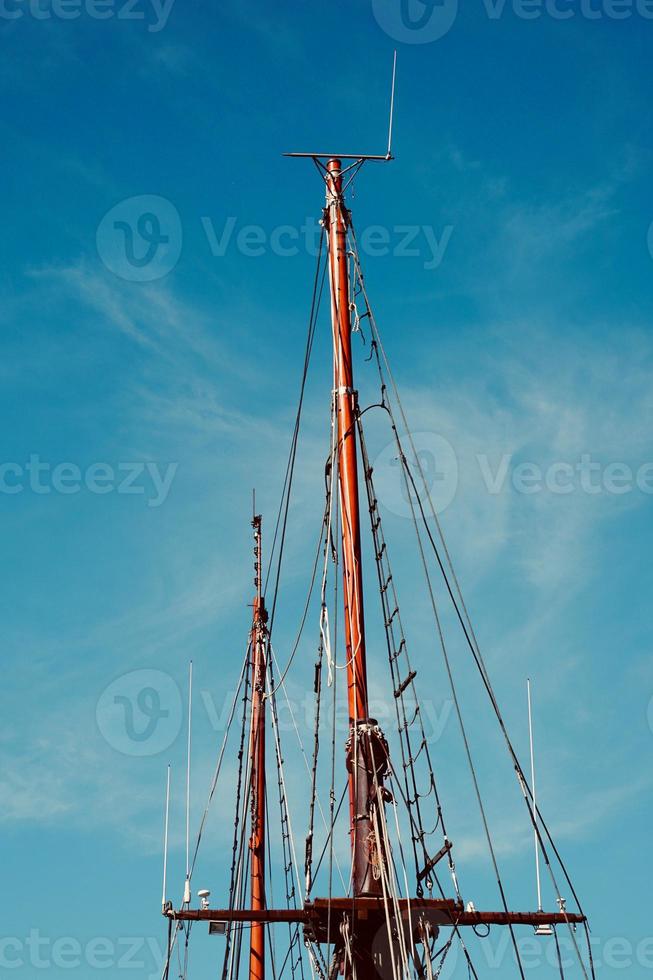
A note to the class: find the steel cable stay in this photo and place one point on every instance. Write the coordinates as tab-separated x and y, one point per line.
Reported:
330	550
455	926
236	834
240	885
279	536
526	790
389	598
293	886
381	551
425	924
304	617
410	484
327	842
386	580
333	813
218	768
470	636
456	932
292	932
464	616
523	782
323	543
288	847
468	754
390	881
171	947
270	887
240	859
423	742
315	966
420	831
558	953
304	756
183	967
324	639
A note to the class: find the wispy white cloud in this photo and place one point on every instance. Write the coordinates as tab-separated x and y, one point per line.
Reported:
540	405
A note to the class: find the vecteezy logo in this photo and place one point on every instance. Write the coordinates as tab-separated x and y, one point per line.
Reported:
415	21
140	713
439	470
140	238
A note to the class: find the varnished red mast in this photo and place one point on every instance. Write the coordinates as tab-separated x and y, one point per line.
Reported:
257	766
366	747
345	397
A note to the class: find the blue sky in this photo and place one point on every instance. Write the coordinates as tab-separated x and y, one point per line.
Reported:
154	395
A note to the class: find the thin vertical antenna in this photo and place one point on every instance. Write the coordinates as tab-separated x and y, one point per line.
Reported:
190	720
165	842
537	843
392	103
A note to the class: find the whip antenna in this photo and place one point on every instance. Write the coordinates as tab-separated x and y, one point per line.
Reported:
165	841
360	157
542	929
190	719
392	105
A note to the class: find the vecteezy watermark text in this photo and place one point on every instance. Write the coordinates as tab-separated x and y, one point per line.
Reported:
586	475
154	13
615	953
400	241
140	239
67	953
431	459
150	480
141	713
425	21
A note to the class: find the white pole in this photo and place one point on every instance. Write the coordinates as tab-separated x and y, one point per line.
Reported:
392	103
190	720
537	842
165	841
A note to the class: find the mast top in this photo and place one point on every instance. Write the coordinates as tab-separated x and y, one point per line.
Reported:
257	524
360	157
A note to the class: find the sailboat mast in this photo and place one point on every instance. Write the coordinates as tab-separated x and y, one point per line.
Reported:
372	930
365	751
257	764
345	397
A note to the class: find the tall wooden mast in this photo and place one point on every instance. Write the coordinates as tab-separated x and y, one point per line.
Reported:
257	765
366	747
346	407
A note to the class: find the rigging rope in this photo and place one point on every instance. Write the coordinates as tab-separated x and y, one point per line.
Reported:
469	635
467	626
303	752
238	836
216	774
284	505
395	651
456	702
324	645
